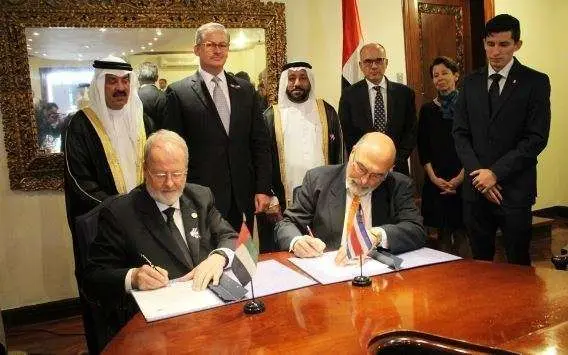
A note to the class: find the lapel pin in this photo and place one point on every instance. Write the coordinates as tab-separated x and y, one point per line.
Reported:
194	232
194	215
514	81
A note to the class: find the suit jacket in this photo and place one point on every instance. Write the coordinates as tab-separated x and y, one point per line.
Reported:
132	224
509	140
237	164
356	118
154	102
321	204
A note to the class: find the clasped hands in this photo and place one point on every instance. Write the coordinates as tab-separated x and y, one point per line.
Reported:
210	269
485	181
308	247
448	187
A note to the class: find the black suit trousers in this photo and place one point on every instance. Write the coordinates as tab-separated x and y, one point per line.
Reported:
482	218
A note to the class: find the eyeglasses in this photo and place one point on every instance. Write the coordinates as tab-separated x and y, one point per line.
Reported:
162	176
369	62
362	170
212	45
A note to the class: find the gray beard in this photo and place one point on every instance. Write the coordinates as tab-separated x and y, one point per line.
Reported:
356	189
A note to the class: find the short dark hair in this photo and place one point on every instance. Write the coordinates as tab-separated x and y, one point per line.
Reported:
147	73
243	75
51	105
503	23
448	63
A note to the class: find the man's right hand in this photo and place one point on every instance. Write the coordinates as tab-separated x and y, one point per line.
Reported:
146	278
308	247
493	194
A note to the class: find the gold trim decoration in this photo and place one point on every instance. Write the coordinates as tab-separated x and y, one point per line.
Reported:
324	130
279	135
30	168
111	156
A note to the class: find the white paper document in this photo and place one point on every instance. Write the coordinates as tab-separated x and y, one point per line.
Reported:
324	269
178	298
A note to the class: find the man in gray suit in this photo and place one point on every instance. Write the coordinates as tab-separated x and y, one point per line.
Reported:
385	197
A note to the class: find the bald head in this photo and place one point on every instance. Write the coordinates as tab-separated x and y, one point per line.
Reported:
373	62
370	161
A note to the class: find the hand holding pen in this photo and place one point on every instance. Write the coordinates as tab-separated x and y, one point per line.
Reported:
308	246
148	276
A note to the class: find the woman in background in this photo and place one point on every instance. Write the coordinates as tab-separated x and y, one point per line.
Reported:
441	193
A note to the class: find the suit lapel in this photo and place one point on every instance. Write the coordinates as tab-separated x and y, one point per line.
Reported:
390	105
337	196
481	80
190	226
200	88
156	225
510	85
234	91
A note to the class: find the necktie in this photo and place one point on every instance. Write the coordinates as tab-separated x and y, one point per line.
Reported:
221	103
494	91
380	122
175	233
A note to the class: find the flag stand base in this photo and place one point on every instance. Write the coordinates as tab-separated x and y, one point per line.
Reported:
254	307
361	281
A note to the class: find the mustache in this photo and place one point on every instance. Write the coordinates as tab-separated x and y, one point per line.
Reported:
119	93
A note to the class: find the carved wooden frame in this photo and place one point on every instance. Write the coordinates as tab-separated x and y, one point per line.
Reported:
30	169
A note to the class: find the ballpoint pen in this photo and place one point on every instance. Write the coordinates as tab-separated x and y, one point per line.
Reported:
148	262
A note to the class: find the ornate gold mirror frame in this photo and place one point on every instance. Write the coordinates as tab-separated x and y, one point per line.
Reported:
29	169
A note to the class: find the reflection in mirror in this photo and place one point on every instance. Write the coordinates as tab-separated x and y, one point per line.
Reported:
60	61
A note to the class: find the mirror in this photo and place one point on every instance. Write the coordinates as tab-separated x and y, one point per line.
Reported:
47	53
60	61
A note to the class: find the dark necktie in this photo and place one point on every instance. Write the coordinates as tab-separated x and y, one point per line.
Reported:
380	122
169	212
494	91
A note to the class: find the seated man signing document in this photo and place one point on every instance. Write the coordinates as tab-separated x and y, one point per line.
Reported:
316	220
162	230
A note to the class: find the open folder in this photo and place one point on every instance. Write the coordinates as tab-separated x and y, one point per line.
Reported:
178	298
325	271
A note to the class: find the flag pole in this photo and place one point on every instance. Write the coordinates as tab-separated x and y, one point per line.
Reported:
361	281
253	306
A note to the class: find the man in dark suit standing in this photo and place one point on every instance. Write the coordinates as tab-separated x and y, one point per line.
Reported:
166	222
501	125
219	117
366	181
153	99
377	104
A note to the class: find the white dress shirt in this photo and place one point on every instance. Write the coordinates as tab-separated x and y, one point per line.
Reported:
208	79
504	74
373	95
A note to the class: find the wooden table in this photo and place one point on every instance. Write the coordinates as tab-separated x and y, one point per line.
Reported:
517	308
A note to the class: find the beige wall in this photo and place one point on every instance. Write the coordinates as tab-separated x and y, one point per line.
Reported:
36	263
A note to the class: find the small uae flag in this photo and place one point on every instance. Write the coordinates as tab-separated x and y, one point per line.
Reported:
352	42
246	256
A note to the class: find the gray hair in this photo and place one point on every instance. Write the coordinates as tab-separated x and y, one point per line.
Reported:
163	135
210	27
147	73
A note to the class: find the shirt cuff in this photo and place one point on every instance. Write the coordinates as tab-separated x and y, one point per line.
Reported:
294	240
128	280
228	253
384	240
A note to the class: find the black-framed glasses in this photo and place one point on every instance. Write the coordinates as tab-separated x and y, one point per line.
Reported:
370	61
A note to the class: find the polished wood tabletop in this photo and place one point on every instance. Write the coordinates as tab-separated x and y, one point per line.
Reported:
516	308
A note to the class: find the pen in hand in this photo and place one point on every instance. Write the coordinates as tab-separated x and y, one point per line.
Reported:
148	262
319	245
